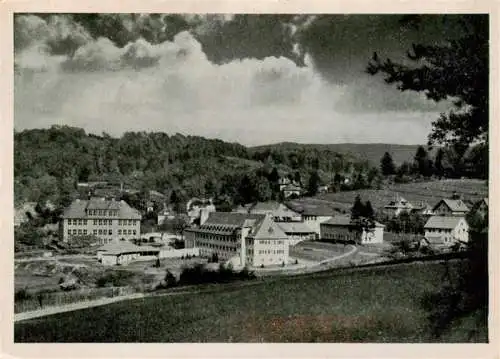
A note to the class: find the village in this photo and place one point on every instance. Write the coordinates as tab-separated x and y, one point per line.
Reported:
266	238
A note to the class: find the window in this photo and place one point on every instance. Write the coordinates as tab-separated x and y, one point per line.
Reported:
69	231
119	231
135	232
100	231
95	231
129	222
119	222
74	231
79	231
85	222
95	221
100	222
69	222
85	231
110	232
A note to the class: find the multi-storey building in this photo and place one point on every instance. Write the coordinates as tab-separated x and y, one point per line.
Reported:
278	211
101	218
340	229
445	231
243	239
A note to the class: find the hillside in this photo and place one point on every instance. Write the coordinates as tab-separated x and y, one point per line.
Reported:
379	305
372	152
430	192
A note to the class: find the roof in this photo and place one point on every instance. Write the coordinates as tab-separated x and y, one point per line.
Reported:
77	209
312	209
265	206
399	203
292	187
267	229
455	205
295	227
344	221
444	222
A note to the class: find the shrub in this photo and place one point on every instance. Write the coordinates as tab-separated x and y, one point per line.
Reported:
22	294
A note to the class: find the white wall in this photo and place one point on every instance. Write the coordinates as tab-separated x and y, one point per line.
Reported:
270	252
177	253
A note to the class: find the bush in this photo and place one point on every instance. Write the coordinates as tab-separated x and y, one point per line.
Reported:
224	274
22	294
114	279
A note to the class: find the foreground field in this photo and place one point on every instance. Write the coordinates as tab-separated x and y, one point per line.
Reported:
377	305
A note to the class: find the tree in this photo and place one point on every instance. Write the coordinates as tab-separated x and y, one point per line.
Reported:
358	209
458	70
422	163
438	163
313	184
387	166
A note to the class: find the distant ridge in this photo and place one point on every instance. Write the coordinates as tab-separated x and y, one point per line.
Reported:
371	152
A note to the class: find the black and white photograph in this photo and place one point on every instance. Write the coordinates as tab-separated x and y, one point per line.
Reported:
251	177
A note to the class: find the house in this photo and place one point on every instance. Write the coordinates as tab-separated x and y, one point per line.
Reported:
120	252
291	190
278	211
164	214
422	208
100	218
340	229
445	231
23	213
313	214
450	207
239	238
198	209
481	207
283	182
297	232
396	207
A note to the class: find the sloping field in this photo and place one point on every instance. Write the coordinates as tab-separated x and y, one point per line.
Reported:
376	305
430	192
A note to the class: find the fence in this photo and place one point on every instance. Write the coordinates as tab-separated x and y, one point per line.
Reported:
37	301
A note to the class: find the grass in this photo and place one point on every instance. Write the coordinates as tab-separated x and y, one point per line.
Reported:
376	305
430	192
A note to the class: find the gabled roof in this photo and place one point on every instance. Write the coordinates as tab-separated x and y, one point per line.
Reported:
267	229
455	205
295	227
77	209
230	218
443	222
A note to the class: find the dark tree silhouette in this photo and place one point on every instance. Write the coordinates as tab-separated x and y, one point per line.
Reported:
387	166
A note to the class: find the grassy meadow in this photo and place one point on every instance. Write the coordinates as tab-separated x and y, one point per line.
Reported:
376	305
430	192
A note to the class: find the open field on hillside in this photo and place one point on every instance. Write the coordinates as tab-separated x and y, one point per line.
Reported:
317	251
376	305
430	192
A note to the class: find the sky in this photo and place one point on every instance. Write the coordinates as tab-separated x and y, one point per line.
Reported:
252	79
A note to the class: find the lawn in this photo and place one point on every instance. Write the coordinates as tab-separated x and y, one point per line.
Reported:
376	305
317	251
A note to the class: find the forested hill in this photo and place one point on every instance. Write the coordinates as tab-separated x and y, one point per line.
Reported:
49	162
372	152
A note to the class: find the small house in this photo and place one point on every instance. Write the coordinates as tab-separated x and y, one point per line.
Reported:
445	231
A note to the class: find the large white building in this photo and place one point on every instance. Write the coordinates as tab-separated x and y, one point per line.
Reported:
242	239
340	229
104	219
445	231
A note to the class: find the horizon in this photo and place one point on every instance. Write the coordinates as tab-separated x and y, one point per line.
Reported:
227	141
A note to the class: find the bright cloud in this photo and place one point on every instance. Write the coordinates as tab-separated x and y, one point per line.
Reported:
172	87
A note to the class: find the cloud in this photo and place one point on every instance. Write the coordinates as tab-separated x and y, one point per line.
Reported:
173	86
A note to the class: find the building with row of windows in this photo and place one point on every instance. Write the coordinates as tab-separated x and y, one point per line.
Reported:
102	218
240	238
340	229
